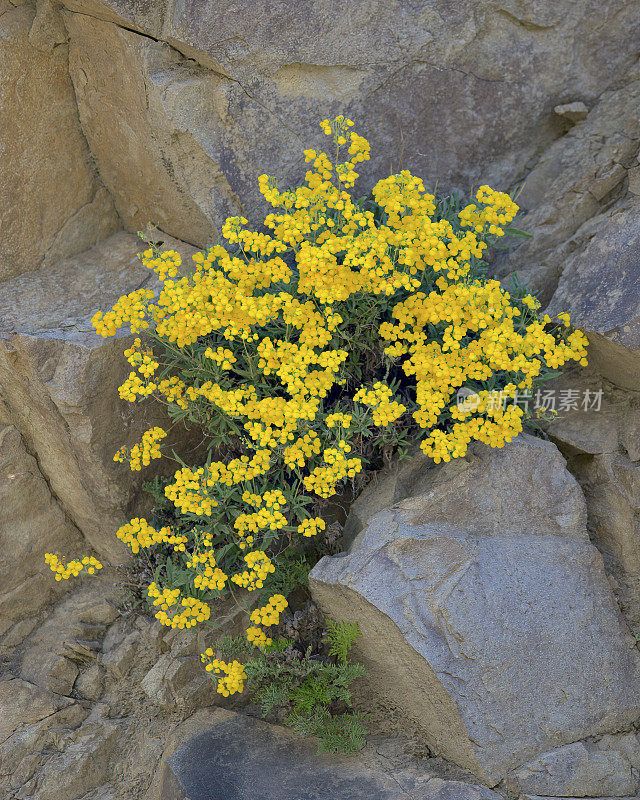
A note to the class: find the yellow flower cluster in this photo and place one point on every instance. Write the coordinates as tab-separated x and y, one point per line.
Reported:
143	452
189	492
499	209
138	534
482	334
323	479
258	637
302	449
141	358
385	410
211	577
270	614
312	526
73	568
331	420
184	614
164	264
267	615
223	357
260	333
259	565
234	674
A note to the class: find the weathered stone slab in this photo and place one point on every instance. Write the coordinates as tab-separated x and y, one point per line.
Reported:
581	769
600	287
59	381
459	94
52	203
233	757
502	638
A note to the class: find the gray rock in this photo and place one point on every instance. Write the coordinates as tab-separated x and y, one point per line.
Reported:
600	287
502	639
567	196
59	382
580	769
233	757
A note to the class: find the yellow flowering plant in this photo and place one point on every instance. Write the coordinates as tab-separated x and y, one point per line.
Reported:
340	332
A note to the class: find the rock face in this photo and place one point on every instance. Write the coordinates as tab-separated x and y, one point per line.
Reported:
459	94
600	286
573	187
581	770
485	611
32	523
602	447
226	756
53	203
60	380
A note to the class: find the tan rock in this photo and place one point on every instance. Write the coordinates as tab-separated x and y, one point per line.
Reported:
90	683
44	662
84	765
22	703
119	661
137	98
572	112
59	380
29	739
502	639
49	184
32	523
458	94
179	683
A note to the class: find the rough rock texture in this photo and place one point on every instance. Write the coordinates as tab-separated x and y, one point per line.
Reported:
32	523
501	636
600	286
602	447
580	769
53	203
574	185
459	93
59	381
138	98
226	756
116	113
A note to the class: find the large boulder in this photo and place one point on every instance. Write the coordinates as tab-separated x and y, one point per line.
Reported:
221	755
185	104
602	445
53	203
59	381
485	611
